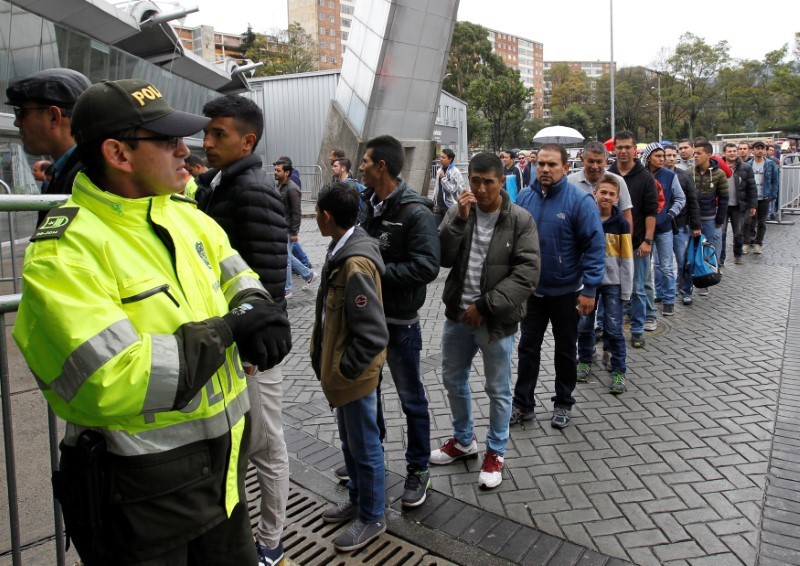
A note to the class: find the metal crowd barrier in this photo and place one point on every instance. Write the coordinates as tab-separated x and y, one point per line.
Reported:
9	304
789	195
312	180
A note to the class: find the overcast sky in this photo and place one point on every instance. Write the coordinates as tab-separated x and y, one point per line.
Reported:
580	31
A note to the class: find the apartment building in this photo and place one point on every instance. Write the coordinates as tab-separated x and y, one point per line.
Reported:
527	56
328	22
211	45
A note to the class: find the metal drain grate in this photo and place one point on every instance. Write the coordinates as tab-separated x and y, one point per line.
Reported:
308	541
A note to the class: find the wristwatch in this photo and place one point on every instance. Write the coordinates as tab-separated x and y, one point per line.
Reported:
648	241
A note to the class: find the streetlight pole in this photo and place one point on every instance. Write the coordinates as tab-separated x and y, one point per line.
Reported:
613	71
660	132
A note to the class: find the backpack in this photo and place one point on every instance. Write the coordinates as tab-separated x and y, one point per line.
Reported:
701	263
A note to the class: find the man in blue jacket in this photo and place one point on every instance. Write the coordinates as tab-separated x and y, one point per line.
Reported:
573	250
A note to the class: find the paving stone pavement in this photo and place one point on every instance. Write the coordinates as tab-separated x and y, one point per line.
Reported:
695	464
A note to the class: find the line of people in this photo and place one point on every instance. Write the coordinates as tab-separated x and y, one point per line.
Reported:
157	332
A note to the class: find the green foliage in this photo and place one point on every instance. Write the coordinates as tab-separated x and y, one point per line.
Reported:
290	51
495	95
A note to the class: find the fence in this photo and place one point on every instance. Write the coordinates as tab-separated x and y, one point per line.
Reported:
789	197
312	179
9	304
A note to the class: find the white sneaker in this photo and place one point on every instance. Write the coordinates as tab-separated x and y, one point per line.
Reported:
453	450
702	291
310	281
757	249
491	470
746	249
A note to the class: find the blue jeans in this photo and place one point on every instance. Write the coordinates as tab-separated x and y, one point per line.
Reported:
641	273
402	356
680	242
665	274
363	456
294	263
609	297
300	254
460	343
712	234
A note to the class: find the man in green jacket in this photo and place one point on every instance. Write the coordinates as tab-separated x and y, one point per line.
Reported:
493	249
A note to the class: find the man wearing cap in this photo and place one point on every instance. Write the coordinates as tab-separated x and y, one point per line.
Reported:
242	198
135	312
43	104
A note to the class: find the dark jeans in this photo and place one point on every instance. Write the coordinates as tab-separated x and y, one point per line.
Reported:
736	218
755	228
560	311
402	356
613	339
363	456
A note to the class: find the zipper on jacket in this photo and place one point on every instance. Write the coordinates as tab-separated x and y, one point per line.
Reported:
149	293
115	206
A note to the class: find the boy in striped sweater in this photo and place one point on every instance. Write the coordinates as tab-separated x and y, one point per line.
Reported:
617	287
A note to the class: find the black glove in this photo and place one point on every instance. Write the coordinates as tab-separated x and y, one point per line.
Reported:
262	332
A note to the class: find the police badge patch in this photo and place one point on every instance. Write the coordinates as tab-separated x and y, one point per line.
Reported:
201	251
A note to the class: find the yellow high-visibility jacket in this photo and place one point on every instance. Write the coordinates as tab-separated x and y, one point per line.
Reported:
120	325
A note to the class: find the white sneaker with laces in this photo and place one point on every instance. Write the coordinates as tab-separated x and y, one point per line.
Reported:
491	470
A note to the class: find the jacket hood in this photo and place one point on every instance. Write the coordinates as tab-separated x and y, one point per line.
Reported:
636	170
360	244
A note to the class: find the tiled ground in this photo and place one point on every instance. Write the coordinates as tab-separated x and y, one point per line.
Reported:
673	471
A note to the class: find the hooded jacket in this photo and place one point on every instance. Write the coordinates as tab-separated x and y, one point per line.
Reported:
644	195
712	193
510	270
409	244
250	210
570	238
619	253
674	199
348	346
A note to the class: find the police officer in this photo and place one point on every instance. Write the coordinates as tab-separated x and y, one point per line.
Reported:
133	307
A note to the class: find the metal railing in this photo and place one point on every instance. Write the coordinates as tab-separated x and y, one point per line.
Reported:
311	176
9	304
789	195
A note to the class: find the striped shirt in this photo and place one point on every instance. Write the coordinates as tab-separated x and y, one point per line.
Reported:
482	235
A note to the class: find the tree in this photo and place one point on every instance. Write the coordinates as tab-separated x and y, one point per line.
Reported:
290	51
567	87
494	93
697	65
502	100
248	38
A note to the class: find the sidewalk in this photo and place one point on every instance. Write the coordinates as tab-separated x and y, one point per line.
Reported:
698	463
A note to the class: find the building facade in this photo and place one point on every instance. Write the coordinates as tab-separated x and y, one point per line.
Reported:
328	22
527	56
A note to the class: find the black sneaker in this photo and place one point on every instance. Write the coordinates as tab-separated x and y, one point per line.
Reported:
561	418
518	416
341	473
358	535
637	340
668	310
341	512
415	490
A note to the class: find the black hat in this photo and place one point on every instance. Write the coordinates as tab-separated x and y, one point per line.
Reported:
60	87
113	106
759	144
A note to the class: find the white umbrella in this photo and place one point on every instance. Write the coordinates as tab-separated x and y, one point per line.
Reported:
558	134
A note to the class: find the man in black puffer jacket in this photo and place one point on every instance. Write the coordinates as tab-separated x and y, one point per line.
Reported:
242	198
